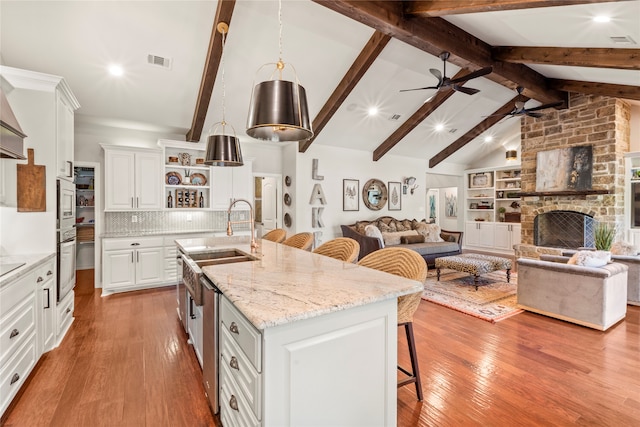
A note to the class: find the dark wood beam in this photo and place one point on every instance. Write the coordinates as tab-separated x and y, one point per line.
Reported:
625	59
494	118
367	56
455	7
416	118
434	35
214	53
604	89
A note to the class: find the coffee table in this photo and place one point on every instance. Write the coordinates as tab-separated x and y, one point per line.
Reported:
475	264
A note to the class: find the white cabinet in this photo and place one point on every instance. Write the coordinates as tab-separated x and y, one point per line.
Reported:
65	316
290	374
132	263
231	183
64	135
507	235
479	234
132	179
46	306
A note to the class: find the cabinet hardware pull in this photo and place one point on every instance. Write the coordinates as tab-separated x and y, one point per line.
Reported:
49	273
68	311
233	402
48	298
234	328
14	333
132	257
40	279
137	202
137	256
234	363
132	205
14	379
193	316
135	244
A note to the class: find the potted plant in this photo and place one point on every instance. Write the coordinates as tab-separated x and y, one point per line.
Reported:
501	211
603	236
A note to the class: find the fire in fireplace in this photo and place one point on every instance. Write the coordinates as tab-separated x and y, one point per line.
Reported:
563	229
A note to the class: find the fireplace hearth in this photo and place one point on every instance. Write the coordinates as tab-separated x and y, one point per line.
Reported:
564	229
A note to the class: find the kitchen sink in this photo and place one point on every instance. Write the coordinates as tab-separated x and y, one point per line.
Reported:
223	256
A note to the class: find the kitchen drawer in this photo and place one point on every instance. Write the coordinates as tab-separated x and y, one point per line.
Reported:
246	377
13	294
46	272
234	410
16	370
131	243
243	333
65	313
15	327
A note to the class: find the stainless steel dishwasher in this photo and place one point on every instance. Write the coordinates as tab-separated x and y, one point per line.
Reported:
211	305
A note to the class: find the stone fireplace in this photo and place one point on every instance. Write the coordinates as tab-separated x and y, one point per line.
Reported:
601	122
563	229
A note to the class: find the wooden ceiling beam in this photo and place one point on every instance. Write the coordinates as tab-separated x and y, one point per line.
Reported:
487	123
456	7
603	89
224	12
435	35
624	59
416	118
365	59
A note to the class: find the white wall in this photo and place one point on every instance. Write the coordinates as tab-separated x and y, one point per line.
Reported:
336	164
635	127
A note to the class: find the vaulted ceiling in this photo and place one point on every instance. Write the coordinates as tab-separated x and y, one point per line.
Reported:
349	55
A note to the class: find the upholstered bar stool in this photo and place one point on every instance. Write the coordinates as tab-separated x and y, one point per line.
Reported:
276	235
302	241
406	263
341	248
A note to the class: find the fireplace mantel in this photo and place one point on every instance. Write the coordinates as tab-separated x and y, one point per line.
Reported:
565	193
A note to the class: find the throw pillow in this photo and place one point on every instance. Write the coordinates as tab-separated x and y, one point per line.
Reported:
394	238
360	226
431	232
384	227
590	258
373	231
400	226
623	248
407	240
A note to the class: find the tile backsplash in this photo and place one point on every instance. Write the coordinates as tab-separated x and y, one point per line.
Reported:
171	221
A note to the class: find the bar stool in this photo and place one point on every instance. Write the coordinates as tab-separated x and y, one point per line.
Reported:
341	248
276	235
406	263
302	241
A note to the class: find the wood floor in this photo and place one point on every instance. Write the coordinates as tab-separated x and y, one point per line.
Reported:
125	362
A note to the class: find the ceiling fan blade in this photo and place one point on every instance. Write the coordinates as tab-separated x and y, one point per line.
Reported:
542	107
530	114
437	75
467	90
479	73
419	88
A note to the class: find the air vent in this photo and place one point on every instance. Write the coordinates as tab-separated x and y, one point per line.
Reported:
453	130
394	117
159	61
622	40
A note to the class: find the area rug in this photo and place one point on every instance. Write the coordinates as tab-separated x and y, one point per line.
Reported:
494	300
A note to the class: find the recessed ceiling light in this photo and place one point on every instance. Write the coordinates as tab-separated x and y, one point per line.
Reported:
116	70
373	111
439	127
601	18
488	138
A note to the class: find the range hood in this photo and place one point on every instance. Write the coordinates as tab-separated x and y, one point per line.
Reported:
11	135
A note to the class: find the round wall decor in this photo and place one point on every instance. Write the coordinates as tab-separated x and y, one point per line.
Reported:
287	220
374	194
287	180
287	199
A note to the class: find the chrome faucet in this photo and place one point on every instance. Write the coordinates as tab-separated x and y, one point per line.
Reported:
254	245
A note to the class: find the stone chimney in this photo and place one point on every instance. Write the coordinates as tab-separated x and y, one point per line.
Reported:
599	121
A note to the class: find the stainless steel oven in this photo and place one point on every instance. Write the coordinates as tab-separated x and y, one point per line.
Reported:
66	233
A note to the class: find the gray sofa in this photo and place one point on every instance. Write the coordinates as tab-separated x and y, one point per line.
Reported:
588	296
452	244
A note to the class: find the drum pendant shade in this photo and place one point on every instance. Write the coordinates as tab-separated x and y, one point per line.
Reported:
278	112
223	150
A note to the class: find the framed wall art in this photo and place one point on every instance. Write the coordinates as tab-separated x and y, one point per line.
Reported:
395	196
350	197
480	180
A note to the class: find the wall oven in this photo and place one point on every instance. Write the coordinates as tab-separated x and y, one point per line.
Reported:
66	238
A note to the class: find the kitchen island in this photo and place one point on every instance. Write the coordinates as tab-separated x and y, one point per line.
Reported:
304	339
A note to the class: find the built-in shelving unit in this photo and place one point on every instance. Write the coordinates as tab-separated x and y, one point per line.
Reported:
187	180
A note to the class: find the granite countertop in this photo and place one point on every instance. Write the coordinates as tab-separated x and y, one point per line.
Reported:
31	261
286	284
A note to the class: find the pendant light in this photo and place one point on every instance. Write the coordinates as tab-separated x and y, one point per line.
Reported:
223	149
278	108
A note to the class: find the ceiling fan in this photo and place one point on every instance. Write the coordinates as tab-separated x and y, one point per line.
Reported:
531	112
445	82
